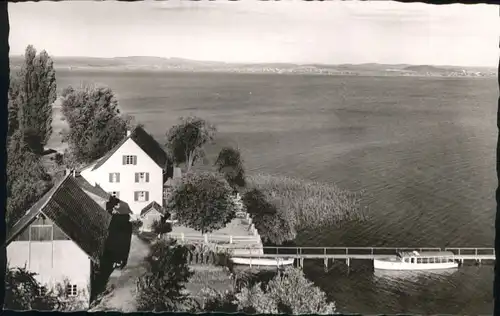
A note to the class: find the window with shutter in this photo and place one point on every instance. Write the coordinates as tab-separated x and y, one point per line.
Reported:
118	177
136	177
147	176
147	196
130	160
136	196
110	178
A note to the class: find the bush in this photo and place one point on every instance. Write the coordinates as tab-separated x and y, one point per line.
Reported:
136	225
289	292
270	223
162	287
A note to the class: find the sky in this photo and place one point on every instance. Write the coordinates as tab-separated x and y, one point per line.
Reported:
249	31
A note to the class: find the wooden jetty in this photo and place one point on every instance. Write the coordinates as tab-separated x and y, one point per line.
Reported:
346	254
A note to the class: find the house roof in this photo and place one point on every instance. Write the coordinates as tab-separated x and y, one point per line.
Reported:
74	212
145	141
150	206
100	196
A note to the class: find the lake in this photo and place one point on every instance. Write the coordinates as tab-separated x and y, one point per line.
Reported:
423	149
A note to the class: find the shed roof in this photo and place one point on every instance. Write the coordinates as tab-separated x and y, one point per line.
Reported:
74	212
151	206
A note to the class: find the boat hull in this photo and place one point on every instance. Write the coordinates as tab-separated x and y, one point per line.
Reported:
380	264
262	261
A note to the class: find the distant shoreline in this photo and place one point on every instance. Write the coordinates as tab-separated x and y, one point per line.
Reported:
257	72
159	64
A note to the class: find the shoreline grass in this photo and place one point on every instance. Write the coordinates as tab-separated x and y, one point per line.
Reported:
308	204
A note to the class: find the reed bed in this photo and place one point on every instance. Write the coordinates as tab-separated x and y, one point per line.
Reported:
308	204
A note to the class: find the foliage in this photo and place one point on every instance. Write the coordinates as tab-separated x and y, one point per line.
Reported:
288	292
161	226
202	201
31	96
185	141
94	120
22	292
269	221
161	288
27	180
136	225
229	163
217	301
307	204
13	105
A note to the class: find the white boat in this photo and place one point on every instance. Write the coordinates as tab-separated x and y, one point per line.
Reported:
414	260
262	262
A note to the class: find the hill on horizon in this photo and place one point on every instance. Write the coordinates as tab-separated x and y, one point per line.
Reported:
163	62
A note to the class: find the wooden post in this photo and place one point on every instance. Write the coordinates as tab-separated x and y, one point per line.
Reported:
182	237
205	237
230	239
347	261
326	264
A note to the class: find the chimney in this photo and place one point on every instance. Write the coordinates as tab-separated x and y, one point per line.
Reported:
128	133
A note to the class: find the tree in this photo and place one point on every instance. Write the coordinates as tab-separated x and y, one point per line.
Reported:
27	179
13	105
24	292
161	226
230	164
289	292
95	123
203	201
186	140
161	288
271	224
32	94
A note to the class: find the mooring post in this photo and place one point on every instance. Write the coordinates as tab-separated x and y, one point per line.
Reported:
326	264
347	261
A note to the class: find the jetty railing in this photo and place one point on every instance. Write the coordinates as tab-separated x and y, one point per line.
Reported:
346	251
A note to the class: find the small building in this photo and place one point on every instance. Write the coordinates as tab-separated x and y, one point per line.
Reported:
133	170
152	212
61	238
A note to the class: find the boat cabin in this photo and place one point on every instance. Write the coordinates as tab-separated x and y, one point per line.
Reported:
427	257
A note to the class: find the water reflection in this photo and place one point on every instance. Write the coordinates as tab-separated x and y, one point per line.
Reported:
412	275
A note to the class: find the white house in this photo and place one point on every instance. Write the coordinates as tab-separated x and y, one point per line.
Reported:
132	171
62	237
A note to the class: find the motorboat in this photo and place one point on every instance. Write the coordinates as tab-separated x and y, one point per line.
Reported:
264	262
414	260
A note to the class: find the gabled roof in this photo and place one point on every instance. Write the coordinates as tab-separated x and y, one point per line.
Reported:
146	142
100	196
150	206
74	212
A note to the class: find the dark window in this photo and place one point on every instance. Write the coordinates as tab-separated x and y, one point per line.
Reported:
71	290
42	291
129	160
41	232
